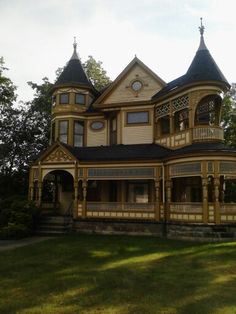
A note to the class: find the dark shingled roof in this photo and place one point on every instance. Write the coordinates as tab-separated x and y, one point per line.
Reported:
202	68
119	152
199	148
143	151
74	73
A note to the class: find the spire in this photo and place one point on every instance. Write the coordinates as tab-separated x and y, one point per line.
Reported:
75	54
74	73
202	45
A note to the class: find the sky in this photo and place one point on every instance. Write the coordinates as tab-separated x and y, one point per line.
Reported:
36	37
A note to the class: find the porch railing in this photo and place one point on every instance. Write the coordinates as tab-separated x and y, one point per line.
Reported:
115	206
228	208
186	208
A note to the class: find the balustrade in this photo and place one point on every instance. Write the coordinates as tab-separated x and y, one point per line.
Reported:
208	133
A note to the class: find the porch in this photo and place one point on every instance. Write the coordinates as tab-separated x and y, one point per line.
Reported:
199	192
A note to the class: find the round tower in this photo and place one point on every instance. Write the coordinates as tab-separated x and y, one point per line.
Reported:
73	93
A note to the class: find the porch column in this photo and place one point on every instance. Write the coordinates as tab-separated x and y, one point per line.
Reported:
40	184
75	211
157	200
31	186
76	185
216	201
40	187
31	193
168	199
84	186
205	199
171	123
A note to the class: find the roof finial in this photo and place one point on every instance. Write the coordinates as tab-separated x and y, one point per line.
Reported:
201	28
75	54
75	44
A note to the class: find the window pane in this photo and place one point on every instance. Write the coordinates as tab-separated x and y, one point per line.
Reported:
79	99
138	192
79	133
78	140
137	117
63	127
64	98
53	133
63	138
79	127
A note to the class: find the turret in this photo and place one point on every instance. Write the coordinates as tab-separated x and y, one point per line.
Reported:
73	94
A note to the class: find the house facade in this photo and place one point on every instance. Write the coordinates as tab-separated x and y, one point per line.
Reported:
141	150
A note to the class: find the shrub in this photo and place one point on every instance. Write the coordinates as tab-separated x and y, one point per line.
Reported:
17	218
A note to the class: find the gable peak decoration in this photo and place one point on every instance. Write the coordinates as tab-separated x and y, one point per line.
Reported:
58	155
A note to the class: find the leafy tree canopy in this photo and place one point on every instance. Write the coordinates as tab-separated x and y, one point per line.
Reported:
96	73
229	116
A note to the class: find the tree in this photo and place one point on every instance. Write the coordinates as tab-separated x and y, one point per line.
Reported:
229	116
96	73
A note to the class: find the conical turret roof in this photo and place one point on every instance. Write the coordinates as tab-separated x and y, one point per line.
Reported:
202	68
73	73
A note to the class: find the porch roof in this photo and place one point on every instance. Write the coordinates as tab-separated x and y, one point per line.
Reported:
200	148
144	151
119	152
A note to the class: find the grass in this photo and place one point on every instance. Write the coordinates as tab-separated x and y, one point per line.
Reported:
92	274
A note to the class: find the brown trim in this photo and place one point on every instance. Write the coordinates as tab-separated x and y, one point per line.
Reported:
110	106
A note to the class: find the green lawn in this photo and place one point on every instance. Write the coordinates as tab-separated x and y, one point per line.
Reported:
118	274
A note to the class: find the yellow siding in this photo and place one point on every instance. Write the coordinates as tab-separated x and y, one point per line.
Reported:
96	138
137	134
123	92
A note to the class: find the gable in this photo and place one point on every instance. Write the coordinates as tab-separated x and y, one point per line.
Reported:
121	90
57	155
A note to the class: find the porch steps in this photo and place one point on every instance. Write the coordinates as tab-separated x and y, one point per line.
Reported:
53	225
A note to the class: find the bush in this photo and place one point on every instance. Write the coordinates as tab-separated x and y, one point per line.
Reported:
17	218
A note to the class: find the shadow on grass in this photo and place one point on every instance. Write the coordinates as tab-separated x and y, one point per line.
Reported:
118	274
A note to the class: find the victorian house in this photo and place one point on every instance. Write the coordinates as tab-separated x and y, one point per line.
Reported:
142	150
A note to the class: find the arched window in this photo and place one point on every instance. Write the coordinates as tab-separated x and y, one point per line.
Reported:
208	110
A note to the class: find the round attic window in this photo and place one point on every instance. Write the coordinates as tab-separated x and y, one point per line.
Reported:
136	86
97	125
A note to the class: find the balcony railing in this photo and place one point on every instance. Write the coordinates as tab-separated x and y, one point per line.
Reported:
202	133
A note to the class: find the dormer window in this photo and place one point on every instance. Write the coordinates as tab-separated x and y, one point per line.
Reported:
80	99
64	99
